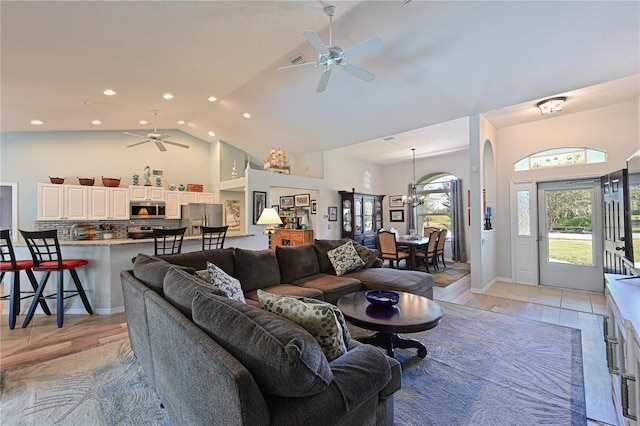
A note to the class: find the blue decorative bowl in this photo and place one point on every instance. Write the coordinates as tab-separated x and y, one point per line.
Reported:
382	297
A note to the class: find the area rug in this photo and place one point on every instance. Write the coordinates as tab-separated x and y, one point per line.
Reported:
482	368
445	276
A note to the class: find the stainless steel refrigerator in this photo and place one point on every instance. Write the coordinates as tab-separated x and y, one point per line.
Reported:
196	215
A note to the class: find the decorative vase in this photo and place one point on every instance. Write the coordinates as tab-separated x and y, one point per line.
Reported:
181	187
136	179
234	171
158	181
107	235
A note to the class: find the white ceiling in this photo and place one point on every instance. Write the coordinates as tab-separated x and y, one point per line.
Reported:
439	62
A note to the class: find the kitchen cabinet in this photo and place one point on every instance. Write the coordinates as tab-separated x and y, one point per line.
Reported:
622	328
361	217
108	203
174	199
56	202
146	193
291	237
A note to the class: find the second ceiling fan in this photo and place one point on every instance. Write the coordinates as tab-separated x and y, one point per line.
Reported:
330	55
155	137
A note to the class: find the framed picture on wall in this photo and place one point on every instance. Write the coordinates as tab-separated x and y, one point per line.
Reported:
287	202
232	214
396	215
396	201
314	206
302	200
333	214
259	203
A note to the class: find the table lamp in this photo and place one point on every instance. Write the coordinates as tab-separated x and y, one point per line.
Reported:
269	217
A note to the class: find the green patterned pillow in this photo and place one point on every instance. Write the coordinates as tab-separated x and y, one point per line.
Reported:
322	320
345	259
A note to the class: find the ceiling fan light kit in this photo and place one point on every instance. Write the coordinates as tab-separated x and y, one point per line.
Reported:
331	55
156	137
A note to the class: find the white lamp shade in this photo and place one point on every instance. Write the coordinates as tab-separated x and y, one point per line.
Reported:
269	216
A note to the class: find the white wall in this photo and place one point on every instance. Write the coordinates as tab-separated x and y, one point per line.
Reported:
31	157
613	129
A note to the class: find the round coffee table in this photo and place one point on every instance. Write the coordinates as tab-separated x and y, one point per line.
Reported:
413	313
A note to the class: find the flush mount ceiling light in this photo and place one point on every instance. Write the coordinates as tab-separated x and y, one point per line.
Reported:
167	96
212	99
109	92
551	105
96	122
246	115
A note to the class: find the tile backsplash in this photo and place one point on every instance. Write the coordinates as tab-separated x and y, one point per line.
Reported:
120	231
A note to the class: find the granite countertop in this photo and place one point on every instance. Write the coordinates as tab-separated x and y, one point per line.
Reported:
115	241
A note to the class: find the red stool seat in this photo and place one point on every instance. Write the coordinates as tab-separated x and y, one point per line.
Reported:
54	265
20	265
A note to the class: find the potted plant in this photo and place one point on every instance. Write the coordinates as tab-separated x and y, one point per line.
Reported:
107	231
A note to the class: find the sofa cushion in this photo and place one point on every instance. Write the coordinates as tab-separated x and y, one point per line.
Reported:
345	259
229	285
283	358
368	256
151	271
256	269
222	258
415	282
322	247
180	288
332	287
296	262
323	320
289	290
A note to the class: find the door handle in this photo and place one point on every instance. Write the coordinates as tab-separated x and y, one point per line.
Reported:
619	248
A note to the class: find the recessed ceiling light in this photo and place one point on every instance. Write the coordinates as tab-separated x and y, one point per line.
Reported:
246	115
37	122
142	122
181	122
96	122
212	99
109	92
212	133
167	96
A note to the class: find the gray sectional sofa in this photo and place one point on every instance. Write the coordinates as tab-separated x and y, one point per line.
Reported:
214	360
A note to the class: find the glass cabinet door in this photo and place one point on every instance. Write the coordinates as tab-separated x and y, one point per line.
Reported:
358	214
347	216
368	215
378	214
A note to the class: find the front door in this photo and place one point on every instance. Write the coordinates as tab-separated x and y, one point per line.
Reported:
617	222
570	235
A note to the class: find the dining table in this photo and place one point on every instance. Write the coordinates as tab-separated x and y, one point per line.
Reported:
412	244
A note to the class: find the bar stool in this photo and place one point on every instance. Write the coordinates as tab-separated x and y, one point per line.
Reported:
213	237
47	258
9	264
168	241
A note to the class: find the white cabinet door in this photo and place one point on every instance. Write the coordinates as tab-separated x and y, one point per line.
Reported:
50	199
146	193
98	203
75	202
138	193
205	197
188	197
119	203
172	205
155	193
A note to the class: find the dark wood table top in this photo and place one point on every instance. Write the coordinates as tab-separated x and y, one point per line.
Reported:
413	313
422	241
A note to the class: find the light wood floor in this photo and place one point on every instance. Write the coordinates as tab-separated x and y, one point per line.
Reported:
43	340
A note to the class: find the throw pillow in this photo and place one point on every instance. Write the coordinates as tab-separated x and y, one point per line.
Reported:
282	357
345	259
219	279
322	320
367	255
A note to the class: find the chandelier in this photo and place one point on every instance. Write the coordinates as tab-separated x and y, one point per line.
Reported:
412	197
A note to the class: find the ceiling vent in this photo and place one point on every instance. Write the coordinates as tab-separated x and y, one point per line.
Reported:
299	60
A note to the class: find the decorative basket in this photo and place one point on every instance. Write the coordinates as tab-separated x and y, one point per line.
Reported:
56	180
111	182
86	181
192	187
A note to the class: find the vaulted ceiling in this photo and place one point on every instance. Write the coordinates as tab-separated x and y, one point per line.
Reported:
439	62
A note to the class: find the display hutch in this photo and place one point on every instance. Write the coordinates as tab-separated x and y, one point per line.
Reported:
361	217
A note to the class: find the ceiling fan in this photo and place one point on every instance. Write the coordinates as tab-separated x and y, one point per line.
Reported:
331	55
155	137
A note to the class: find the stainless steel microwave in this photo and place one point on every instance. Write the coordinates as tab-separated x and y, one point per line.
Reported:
147	210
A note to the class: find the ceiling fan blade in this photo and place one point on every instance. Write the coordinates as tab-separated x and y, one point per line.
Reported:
315	41
160	146
324	80
133	134
361	48
138	143
315	64
181	145
358	72
163	136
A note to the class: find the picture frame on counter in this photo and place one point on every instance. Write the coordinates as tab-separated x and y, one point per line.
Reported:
259	203
287	202
396	215
302	200
314	206
333	214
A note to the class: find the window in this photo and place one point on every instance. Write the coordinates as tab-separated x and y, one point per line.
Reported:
436	210
560	157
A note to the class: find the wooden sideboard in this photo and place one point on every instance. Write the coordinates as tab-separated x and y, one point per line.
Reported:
291	237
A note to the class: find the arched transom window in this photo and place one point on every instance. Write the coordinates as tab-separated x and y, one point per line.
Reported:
558	157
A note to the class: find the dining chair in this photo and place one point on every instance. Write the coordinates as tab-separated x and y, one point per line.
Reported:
442	237
389	250
47	257
213	237
9	264
428	230
168	241
429	254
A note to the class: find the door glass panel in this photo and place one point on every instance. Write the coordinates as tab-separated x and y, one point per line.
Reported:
368	215
570	231
524	213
